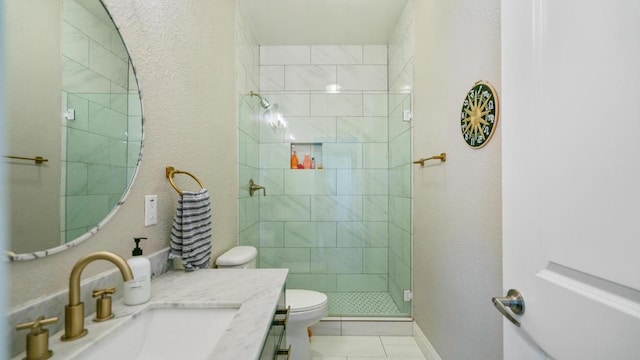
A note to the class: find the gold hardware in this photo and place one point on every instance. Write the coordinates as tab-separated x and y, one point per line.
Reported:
170	171
38	159
264	103
10	254
284	352
253	187
282	322
103	304
442	157
38	338
74	312
283	311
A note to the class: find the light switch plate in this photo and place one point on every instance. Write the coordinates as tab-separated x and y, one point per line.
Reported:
150	210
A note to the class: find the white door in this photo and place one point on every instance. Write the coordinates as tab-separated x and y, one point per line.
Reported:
571	177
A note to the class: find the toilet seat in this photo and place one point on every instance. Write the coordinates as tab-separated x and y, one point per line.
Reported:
305	300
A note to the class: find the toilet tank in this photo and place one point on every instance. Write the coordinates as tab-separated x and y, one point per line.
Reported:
239	257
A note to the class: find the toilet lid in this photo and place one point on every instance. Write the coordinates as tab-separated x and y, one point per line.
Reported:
303	300
237	256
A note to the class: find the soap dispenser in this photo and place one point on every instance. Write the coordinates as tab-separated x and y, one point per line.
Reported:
138	290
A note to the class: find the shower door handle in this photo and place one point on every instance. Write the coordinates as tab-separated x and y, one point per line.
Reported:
513	302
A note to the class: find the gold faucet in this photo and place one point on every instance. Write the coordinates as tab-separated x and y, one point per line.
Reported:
74	312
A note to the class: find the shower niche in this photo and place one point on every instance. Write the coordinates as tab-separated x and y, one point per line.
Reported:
298	153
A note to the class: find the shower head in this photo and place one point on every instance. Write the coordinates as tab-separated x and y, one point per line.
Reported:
271	115
264	103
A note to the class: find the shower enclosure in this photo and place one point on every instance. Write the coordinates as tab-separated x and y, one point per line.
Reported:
343	228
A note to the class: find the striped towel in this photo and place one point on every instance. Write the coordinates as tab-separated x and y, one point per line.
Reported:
191	231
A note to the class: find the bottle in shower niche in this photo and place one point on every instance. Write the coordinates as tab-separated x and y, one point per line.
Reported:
138	290
313	163
307	161
294	158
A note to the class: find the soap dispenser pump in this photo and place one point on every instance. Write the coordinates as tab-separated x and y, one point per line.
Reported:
138	290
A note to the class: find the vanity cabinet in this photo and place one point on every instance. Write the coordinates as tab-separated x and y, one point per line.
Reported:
274	346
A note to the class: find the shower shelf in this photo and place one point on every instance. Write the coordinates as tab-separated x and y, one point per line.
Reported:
313	149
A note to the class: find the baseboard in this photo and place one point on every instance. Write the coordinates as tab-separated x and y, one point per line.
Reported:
423	343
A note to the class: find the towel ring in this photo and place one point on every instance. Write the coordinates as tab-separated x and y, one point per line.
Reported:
170	171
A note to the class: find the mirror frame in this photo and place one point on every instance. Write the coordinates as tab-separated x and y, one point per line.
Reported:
51	251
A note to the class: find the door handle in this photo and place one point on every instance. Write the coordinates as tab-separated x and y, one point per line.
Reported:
514	301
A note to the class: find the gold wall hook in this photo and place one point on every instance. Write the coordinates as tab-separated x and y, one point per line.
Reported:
442	157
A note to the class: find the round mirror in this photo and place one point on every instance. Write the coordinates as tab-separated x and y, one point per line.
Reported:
74	123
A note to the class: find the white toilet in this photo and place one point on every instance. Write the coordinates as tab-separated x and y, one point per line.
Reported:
307	307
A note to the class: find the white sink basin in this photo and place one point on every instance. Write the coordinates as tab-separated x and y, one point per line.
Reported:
164	333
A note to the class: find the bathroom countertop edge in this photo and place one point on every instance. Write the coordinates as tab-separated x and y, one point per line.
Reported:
255	291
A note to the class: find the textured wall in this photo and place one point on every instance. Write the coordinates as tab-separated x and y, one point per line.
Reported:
32	115
184	55
4	235
457	204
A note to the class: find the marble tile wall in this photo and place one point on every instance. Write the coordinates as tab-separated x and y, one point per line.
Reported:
400	138
249	156
104	140
329	226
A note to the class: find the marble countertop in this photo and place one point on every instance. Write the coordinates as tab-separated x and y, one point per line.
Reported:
256	291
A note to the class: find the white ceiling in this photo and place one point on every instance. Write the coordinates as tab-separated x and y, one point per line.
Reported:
317	22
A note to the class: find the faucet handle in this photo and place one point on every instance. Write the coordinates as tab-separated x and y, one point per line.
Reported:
253	187
103	293
103	304
36	326
38	338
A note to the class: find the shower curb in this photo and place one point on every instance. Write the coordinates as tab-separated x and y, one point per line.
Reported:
355	326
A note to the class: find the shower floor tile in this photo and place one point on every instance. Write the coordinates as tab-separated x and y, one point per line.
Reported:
371	303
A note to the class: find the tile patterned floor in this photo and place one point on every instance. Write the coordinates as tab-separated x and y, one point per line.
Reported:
365	348
372	303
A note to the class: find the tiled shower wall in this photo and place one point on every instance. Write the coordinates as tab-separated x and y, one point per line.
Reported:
103	142
247	80
328	226
400	90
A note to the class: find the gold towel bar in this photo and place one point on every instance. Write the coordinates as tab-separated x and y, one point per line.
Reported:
442	157
170	171
38	159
